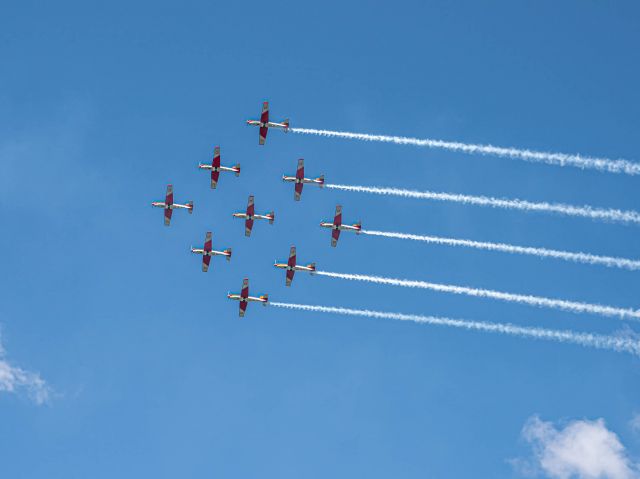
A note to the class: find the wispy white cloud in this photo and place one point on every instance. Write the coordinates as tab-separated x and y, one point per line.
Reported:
16	380
635	423
581	449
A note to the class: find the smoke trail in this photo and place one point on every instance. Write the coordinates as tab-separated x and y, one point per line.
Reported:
559	159
613	343
586	258
572	306
622	216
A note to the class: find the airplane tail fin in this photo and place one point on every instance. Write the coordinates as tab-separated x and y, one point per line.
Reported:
228	251
286	124
237	167
272	217
190	205
321	178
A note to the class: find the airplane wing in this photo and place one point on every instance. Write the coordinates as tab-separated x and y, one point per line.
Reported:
292	256
263	134
243	308
299	176
206	259
248	224
264	119
290	274
214	178
216	157
245	288
215	164
250	206
337	219
335	234
208	243
168	199
167	217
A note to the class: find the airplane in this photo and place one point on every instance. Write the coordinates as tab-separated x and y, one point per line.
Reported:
265	124
216	168
168	205
250	215
337	226
291	266
207	252
244	297
300	180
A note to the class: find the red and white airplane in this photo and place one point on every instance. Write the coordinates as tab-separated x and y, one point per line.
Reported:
265	124
168	205
207	252
216	168
292	267
245	299
250	215
337	226
300	180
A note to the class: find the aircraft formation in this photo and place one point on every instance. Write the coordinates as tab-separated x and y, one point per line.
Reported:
250	216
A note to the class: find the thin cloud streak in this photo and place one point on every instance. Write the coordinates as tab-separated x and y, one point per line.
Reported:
585	258
14	379
558	159
561	304
615	215
611	343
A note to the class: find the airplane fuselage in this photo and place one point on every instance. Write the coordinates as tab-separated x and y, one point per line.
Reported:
219	168
247	299
294	268
293	179
340	227
269	124
252	217
210	253
173	206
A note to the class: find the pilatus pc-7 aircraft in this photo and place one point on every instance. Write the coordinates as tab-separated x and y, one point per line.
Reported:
265	124
207	252
250	215
216	168
245	299
337	226
168	205
300	180
292	267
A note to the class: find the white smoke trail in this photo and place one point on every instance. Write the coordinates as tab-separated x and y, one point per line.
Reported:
613	343
586	258
572	306
628	216
559	159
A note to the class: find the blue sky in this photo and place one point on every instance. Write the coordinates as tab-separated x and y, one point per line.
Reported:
148	369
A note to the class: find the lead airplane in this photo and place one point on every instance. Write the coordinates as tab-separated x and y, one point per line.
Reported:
300	180
207	252
337	226
168	205
250	215
265	124
292	267
245	299
216	168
